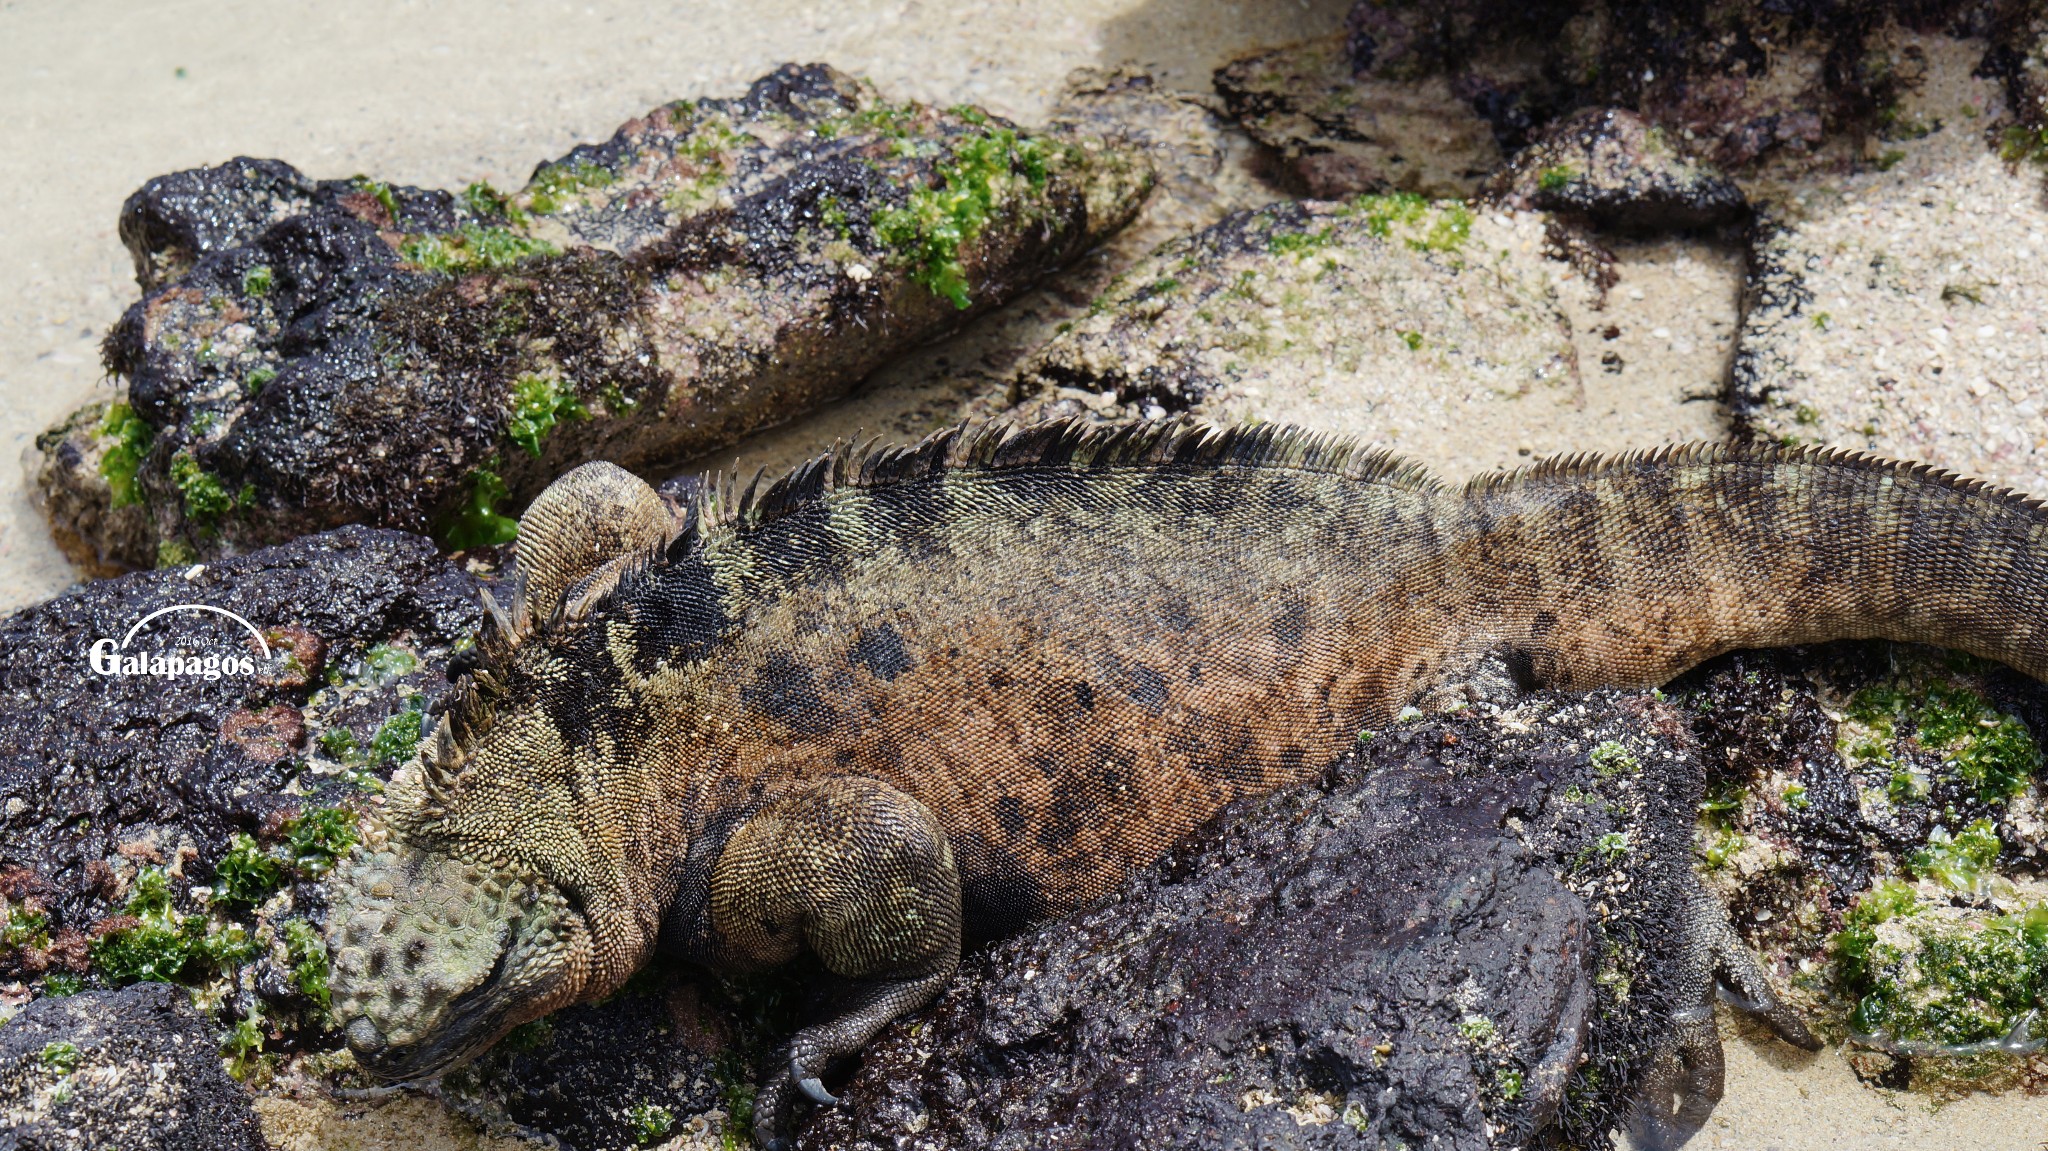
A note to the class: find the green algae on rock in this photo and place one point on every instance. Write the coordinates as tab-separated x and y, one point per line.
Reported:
83	479
165	839
309	353
1904	885
1613	169
123	793
1941	981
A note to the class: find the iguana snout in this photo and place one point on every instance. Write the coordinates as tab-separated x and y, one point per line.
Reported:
436	957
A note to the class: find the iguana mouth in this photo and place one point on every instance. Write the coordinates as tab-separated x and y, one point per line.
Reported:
475	1021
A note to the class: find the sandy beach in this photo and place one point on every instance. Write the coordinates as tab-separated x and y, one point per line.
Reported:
101	96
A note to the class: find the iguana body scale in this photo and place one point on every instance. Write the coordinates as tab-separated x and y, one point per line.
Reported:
903	694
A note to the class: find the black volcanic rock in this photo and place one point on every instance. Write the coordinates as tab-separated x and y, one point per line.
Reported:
137	1069
1459	937
313	353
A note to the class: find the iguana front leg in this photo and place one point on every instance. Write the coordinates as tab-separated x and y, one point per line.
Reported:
863	875
1687	1077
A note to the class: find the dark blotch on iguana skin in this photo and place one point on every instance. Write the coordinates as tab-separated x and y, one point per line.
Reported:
880	650
787	693
1387	902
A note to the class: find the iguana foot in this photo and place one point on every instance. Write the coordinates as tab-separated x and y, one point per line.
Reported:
1688	1072
811	1085
816	1049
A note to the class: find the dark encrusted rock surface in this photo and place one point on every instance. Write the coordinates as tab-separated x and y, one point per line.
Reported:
102	773
606	1075
1875	821
313	353
1335	134
172	222
1611	168
137	1069
2020	55
1461	937
1771	77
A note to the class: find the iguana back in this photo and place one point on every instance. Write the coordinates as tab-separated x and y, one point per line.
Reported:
1074	646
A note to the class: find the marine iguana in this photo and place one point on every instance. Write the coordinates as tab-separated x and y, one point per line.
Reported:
904	694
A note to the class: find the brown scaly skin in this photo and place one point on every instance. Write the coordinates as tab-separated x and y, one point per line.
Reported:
975	683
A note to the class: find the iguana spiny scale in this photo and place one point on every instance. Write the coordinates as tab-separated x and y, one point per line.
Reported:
968	685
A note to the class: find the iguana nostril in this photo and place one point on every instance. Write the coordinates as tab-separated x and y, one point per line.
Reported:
363	1036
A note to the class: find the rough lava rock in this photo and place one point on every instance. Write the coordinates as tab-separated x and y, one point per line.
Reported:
588	1074
2019	53
172	222
1612	169
137	1069
102	773
313	353
1334	134
1896	790
1457	938
1201	160
1772	77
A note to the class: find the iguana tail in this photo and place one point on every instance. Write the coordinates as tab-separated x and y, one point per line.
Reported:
1628	571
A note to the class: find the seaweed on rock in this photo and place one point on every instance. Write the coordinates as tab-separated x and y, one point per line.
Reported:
313	353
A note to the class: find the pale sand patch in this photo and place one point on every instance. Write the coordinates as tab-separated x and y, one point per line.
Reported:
1901	305
403	1123
441	95
1782	1099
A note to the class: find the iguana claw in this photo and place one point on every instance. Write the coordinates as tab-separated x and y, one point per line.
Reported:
811	1085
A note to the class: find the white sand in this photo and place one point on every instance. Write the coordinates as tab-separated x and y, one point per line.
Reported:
442	94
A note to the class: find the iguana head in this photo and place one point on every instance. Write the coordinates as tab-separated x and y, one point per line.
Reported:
435	957
494	891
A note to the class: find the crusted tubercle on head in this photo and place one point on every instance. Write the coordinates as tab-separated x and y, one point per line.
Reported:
435	956
577	540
